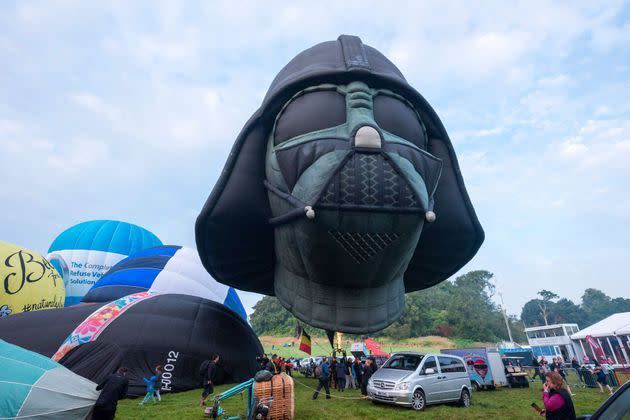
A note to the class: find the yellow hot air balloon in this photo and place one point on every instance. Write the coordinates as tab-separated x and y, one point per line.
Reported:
28	282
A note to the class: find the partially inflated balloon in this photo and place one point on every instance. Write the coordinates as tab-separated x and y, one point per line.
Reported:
141	331
34	387
83	253
28	281
163	269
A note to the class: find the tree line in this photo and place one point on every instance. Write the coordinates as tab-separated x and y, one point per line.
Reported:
550	309
463	309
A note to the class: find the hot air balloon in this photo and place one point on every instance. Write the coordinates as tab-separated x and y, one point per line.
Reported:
84	252
33	386
28	281
341	193
165	269
141	331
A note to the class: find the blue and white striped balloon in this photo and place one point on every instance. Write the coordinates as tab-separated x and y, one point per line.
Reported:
84	252
164	269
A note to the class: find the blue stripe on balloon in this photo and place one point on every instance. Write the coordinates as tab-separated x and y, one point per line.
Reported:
163	251
142	277
233	302
157	262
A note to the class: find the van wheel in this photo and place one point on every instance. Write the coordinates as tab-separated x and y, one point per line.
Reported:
464	399
418	402
475	386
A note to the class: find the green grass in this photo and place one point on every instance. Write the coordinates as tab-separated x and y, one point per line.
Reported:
502	403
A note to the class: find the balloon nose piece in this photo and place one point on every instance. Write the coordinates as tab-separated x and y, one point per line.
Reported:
430	216
367	137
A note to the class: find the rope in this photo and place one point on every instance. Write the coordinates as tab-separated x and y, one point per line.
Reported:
333	396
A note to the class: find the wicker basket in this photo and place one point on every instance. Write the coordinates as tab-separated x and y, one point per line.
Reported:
280	388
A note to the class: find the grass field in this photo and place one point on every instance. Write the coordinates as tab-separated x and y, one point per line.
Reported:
502	403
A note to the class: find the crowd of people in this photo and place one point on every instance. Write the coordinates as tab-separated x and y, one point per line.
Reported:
342	374
557	395
599	369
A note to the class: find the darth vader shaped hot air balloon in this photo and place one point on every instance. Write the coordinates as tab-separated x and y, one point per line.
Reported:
341	194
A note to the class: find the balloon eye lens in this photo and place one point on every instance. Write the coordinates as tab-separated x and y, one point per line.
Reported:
395	116
310	112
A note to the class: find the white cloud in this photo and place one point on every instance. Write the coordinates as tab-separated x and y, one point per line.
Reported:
130	110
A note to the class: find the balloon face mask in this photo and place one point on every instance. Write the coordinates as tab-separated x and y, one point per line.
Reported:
350	186
341	194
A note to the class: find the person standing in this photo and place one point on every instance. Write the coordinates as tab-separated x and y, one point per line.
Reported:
273	365
349	378
114	388
356	371
341	375
557	399
150	383
210	376
333	373
366	375
576	366
323	379
602	381
158	382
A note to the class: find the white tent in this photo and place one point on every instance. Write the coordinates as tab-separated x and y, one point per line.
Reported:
612	334
615	324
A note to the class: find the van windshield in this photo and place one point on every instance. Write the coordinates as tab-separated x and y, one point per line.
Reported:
404	362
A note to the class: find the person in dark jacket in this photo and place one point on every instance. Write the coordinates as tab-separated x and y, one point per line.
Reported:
578	369
557	399
340	370
323	380
274	365
356	371
113	388
209	378
366	375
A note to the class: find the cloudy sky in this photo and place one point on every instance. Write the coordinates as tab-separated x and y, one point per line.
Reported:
127	110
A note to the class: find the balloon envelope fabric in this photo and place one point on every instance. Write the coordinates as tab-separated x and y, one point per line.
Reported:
164	269
33	386
139	332
84	252
341	193
28	282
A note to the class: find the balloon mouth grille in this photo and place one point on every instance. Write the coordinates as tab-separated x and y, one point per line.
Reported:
362	247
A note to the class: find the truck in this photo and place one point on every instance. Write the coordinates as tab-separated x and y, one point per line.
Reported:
484	365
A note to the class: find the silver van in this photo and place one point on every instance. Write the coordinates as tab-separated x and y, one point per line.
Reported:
416	380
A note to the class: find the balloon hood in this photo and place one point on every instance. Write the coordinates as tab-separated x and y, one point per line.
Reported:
247	235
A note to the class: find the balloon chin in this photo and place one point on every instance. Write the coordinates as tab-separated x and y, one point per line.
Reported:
343	270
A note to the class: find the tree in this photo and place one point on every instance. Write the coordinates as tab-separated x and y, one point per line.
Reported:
548	296
565	311
546	303
270	318
531	314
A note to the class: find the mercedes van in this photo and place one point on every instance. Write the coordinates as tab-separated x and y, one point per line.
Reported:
415	380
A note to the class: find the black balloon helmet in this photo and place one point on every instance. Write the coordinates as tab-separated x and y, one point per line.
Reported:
341	193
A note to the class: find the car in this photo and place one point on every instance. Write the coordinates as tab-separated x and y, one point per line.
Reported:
616	407
416	380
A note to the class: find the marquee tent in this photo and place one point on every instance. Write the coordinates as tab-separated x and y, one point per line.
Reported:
612	334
